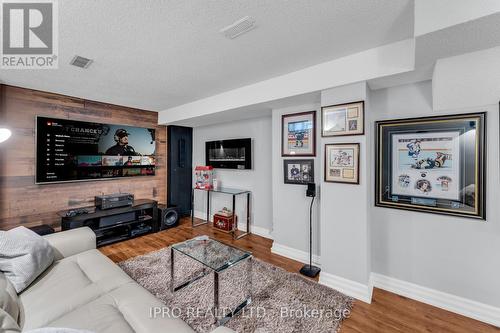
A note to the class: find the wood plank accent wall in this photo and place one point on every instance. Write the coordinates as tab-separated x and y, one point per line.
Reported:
24	203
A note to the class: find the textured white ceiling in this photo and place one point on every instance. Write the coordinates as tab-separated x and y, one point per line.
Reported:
466	37
470	36
157	54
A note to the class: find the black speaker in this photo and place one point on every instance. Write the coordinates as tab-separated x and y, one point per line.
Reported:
168	216
311	190
180	168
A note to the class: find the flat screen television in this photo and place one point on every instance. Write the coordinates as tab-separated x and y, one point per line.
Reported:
69	150
229	154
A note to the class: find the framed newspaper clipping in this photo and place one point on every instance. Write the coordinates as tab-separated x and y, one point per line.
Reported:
343	119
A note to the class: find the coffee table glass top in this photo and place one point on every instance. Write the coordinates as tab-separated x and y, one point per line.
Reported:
211	253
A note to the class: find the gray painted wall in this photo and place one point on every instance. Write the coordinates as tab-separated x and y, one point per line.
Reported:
290	204
450	254
344	222
456	255
257	180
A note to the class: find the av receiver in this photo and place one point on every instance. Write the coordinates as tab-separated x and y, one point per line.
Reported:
114	200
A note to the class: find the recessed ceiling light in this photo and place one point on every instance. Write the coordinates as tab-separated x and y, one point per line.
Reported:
239	27
81	62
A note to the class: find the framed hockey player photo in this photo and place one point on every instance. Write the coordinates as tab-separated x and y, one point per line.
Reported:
298	172
432	164
298	134
342	163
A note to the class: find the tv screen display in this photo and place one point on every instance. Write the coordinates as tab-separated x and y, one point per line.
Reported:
68	150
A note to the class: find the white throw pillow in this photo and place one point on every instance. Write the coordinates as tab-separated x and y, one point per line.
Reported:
24	255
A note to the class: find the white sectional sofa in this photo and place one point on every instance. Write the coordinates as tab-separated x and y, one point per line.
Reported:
83	289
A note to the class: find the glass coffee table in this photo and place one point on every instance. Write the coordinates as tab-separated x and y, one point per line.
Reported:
216	258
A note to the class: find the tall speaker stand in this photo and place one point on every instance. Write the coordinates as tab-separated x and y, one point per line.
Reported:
309	270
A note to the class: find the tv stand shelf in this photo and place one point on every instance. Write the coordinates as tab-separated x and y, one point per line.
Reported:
116	224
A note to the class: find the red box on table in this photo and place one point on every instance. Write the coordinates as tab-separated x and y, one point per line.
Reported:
224	223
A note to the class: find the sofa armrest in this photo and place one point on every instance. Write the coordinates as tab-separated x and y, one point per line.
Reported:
71	242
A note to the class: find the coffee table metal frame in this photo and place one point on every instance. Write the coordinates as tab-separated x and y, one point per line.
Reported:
216	273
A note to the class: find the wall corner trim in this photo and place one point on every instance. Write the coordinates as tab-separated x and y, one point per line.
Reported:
295	254
463	306
351	288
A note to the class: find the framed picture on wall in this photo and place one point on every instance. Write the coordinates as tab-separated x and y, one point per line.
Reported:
298	171
432	164
298	134
342	163
343	119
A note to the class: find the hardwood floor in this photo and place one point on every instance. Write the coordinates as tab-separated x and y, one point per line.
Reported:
387	313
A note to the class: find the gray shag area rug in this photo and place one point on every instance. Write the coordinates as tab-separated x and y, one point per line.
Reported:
281	301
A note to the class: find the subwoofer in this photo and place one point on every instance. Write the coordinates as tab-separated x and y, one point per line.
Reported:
168	216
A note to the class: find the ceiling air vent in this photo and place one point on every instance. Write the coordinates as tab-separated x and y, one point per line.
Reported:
239	27
81	62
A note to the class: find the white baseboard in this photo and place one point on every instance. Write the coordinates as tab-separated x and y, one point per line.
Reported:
351	288
295	254
256	230
348	287
463	306
260	231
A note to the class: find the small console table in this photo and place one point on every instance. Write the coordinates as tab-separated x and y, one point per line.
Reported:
229	191
115	224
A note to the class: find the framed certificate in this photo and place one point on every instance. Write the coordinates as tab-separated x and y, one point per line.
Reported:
343	119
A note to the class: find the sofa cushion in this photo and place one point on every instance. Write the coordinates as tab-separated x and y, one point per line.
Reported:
122	310
9	301
56	330
68	284
23	256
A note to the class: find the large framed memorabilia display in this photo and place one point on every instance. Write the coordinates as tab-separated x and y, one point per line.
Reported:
298	134
298	172
342	163
432	164
343	119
